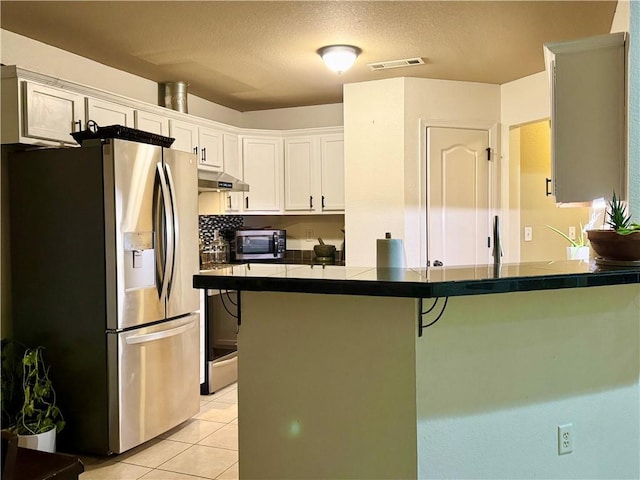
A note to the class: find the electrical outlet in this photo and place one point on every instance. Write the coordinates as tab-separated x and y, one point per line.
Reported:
572	233
565	439
528	234
308	234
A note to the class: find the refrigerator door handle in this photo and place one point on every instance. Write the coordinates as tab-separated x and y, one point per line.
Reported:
150	337
172	234
165	239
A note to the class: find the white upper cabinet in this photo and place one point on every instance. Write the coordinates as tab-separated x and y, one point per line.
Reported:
106	113
588	129
232	166
35	114
210	145
314	174
152	123
205	142
332	172
299	163
52	113
262	167
185	134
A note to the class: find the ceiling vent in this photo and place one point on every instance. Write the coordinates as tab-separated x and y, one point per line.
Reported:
407	62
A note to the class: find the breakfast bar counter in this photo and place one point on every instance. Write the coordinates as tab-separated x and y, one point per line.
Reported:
464	372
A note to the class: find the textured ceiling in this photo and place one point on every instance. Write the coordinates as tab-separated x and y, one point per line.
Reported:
259	55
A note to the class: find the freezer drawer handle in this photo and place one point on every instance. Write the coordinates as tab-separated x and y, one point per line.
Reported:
150	337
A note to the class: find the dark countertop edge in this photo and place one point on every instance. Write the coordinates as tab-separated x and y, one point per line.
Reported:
386	288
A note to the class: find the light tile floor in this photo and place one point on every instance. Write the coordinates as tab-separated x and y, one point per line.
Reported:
205	446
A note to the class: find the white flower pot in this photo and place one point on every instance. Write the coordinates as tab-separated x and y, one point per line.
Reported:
578	253
45	442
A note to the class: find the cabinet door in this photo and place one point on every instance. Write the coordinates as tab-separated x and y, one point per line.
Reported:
210	144
262	171
107	113
332	172
185	134
588	129
151	122
298	174
52	113
233	167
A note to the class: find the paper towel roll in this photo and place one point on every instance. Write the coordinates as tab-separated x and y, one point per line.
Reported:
390	253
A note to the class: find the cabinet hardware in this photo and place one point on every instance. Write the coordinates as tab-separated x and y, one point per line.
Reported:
489	154
322	201
229	200
79	124
246	202
195	150
548	182
310	201
204	154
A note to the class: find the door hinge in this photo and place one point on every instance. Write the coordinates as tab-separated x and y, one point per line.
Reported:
488	153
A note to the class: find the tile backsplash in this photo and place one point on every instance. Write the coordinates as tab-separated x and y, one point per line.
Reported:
224	223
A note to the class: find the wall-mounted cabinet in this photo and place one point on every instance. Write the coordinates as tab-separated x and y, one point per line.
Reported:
332	173
262	167
314	174
37	114
232	166
588	127
151	122
40	110
205	142
108	113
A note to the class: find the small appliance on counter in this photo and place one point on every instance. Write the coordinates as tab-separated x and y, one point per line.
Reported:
259	244
216	253
324	254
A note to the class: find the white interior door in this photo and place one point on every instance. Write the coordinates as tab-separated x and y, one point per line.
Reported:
458	215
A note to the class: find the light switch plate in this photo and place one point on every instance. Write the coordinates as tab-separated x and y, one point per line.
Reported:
528	234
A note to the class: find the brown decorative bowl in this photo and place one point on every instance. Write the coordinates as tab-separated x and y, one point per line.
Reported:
610	245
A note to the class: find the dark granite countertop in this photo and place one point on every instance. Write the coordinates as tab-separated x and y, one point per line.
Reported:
415	283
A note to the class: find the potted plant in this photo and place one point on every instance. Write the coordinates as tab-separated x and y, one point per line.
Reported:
578	249
39	419
621	241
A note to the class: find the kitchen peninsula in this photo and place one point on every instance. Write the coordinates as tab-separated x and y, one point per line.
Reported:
337	378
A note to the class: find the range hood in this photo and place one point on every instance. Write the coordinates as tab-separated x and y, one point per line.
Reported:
220	182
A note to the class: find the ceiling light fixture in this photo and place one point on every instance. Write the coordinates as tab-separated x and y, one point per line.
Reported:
339	58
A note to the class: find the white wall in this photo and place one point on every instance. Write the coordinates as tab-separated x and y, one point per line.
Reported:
291	118
522	101
374	166
499	373
384	124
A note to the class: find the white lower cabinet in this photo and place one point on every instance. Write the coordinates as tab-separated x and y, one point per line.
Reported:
106	113
262	167
314	174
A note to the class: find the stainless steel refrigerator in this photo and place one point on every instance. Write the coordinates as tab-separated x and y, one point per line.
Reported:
104	244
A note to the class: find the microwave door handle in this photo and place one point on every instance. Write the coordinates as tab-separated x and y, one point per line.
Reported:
172	230
162	236
274	244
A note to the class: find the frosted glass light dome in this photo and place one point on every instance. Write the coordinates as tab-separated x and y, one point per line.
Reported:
339	58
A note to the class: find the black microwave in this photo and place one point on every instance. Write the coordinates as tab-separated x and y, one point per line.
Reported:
260	244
